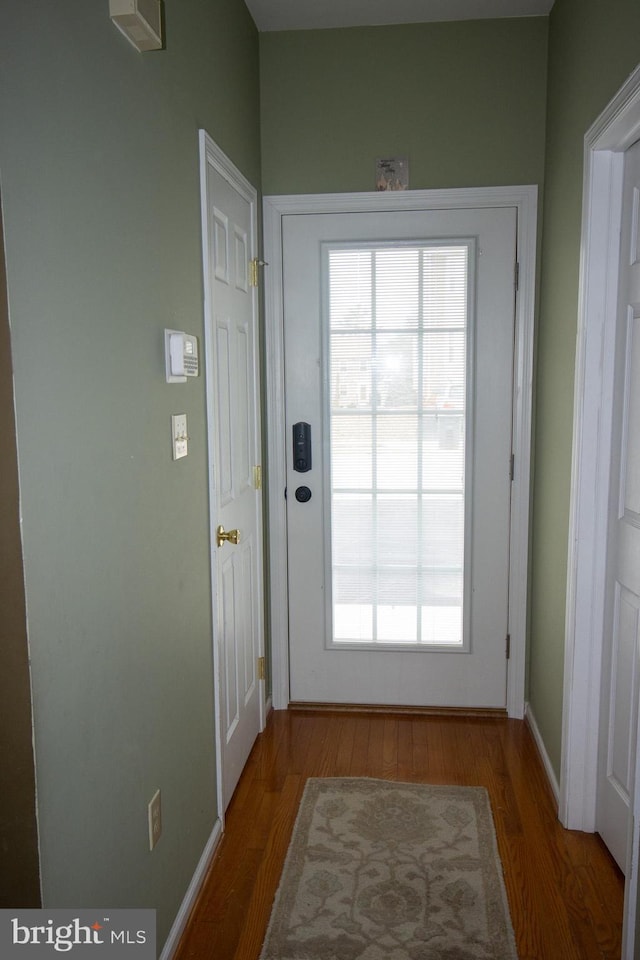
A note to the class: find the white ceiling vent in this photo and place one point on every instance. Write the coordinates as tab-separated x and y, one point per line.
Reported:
140	21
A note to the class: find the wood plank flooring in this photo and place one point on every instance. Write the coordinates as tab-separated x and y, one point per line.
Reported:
565	892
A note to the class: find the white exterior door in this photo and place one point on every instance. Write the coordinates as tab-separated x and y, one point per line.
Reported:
399	338
229	215
620	674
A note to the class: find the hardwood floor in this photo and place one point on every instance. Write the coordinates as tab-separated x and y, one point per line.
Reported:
565	891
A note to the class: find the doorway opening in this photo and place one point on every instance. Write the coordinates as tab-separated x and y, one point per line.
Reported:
277	212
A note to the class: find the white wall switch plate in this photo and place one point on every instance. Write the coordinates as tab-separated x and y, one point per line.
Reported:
179	436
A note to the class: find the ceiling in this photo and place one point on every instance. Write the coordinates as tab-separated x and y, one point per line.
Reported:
321	14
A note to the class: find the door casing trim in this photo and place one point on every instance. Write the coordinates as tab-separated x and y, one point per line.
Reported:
275	208
616	129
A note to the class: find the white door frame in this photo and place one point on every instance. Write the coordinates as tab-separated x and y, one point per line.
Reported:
524	198
605	142
212	155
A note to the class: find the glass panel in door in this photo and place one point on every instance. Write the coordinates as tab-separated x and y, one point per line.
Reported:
398	356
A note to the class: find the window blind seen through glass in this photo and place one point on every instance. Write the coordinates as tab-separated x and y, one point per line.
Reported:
397	402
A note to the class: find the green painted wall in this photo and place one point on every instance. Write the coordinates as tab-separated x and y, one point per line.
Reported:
100	189
464	101
593	47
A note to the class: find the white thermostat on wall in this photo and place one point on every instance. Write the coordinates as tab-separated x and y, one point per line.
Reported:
181	356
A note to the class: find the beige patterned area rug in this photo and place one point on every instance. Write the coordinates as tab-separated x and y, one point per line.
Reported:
378	870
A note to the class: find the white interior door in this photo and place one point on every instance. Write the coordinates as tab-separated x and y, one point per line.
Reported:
619	704
399	337
233	387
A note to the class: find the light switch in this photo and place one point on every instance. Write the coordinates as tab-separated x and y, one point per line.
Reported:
179	437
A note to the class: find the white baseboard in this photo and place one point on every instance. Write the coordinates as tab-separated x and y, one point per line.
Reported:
544	756
182	916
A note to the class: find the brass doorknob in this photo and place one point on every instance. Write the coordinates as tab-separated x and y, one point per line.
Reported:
224	536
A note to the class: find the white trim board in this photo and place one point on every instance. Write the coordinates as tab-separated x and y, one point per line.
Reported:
524	199
616	129
542	750
190	897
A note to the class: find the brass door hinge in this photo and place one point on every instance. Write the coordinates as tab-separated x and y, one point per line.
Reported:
257	477
253	270
262	671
